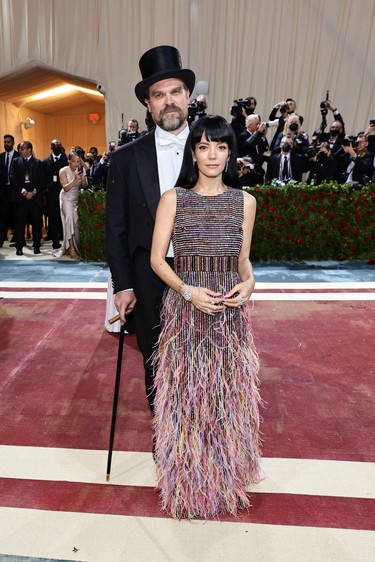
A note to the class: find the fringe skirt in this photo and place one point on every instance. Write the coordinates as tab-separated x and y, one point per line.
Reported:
206	424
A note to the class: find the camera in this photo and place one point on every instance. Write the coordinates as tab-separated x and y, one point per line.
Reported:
195	107
312	151
323	105
300	139
349	141
241	103
126	136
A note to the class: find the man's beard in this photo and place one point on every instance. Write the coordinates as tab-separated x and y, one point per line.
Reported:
171	121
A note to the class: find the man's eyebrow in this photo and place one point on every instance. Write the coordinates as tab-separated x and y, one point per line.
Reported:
176	89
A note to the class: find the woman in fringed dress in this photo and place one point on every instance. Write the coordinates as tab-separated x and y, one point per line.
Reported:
206	424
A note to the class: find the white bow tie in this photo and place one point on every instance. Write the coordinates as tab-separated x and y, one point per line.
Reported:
171	141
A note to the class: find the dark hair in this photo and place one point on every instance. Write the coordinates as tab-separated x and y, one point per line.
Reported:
26	144
216	129
9	137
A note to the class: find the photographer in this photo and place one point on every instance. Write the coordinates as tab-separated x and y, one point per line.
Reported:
286	165
197	109
323	167
292	128
336	132
240	109
101	170
285	108
130	133
252	143
355	162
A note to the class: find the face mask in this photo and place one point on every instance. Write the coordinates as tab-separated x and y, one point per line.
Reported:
293	127
286	147
57	150
333	132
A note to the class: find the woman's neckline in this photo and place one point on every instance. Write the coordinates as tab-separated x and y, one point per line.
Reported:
209	194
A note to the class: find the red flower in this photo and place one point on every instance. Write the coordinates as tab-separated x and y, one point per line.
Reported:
88	248
98	206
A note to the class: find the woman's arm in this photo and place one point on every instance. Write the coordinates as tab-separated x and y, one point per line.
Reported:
65	184
164	221
245	269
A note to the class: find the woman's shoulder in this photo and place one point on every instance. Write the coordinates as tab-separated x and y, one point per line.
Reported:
249	200
169	197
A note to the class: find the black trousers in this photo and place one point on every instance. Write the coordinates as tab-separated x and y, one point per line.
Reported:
149	291
28	211
6	210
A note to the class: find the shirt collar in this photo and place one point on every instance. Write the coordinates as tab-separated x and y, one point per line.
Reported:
163	138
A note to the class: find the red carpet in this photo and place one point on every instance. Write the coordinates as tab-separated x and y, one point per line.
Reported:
58	369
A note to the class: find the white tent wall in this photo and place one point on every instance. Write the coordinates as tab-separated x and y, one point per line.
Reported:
270	49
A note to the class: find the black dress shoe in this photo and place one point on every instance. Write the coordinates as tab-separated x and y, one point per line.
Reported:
19	253
36	250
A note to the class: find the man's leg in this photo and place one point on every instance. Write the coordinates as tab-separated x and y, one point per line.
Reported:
149	292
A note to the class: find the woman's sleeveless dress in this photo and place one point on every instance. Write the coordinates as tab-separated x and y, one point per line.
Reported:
69	214
206	424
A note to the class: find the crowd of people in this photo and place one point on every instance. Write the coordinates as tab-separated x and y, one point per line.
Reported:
291	154
37	193
39	198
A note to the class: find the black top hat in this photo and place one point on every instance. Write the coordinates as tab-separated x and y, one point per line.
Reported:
160	63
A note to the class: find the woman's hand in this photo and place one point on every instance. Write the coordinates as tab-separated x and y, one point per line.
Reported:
207	301
240	294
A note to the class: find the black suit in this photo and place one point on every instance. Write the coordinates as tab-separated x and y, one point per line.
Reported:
6	196
52	195
298	166
27	210
133	194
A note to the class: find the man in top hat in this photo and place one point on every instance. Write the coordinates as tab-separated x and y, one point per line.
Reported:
139	173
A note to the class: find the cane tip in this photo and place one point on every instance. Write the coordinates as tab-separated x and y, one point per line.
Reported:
107	478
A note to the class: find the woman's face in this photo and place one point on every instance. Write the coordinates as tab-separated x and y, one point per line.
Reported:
74	162
211	157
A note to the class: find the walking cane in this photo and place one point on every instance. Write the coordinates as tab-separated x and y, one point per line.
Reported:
116	392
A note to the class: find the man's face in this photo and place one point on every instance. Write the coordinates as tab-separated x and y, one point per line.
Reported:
8	144
132	126
361	143
25	151
253	125
168	103
291	106
336	126
252	103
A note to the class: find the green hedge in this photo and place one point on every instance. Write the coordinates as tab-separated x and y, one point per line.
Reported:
293	223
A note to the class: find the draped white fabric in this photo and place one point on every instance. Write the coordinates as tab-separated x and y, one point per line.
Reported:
270	49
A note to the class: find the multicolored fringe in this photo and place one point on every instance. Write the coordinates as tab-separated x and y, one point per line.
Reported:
206	421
